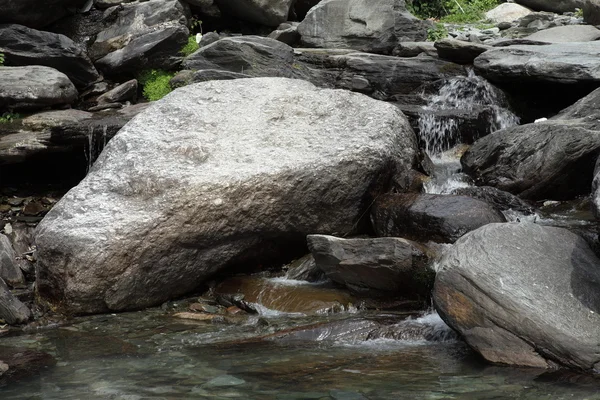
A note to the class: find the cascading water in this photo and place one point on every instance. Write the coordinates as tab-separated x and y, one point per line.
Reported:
464	108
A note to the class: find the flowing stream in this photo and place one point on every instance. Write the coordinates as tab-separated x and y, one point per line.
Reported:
346	355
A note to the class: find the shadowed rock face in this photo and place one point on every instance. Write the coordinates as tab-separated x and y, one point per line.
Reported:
425	217
523	294
36	13
206	178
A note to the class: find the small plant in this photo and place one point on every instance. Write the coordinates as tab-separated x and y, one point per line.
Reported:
1	59
156	83
436	33
452	11
190	47
579	12
9	117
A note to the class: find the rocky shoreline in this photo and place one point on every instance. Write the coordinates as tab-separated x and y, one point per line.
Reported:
298	127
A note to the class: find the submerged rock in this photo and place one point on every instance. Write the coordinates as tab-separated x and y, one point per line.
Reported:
20	363
523	294
380	266
425	217
216	174
552	159
374	26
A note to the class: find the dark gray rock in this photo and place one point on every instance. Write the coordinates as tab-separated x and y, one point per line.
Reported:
413	49
34	87
288	35
304	269
248	55
12	311
123	92
380	266
264	12
36	13
555	6
9	270
591	12
565	34
158	49
430	217
553	159
126	238
459	51
501	200
209	38
206	8
23	46
558	63
523	294
374	26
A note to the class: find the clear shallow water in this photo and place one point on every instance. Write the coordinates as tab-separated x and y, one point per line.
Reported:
150	355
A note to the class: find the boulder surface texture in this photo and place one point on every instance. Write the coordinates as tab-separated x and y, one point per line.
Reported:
523	294
36	13
209	177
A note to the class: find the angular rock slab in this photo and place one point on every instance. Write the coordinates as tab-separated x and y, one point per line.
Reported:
551	159
264	12
9	270
381	266
34	87
374	26
24	46
556	6
523	294
560	63
208	176
35	13
566	34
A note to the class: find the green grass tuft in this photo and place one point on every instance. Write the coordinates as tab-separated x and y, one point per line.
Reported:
8	117
1	58
156	83
190	47
436	33
452	11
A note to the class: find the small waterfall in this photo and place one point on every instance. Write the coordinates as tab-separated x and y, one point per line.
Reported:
464	106
94	145
470	96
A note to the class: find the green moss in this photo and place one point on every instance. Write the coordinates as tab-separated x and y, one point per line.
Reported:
1	58
8	117
452	11
156	83
436	33
190	47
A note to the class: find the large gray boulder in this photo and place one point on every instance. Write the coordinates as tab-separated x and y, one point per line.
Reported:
591	12
24	46
264	12
565	34
523	294
145	35
550	159
559	63
374	26
556	6
507	12
213	175
36	13
430	217
248	55
34	87
380	266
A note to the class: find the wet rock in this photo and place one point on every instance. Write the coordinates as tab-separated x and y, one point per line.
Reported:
269	13
380	266
523	294
21	363
501	200
36	13
123	92
347	331
304	269
34	87
369	26
146	35
279	295
507	12
553	159
558	63
459	51
23	46
591	12
413	49
195	316
564	34
11	309
555	6
248	55
142	227
425	217
9	270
